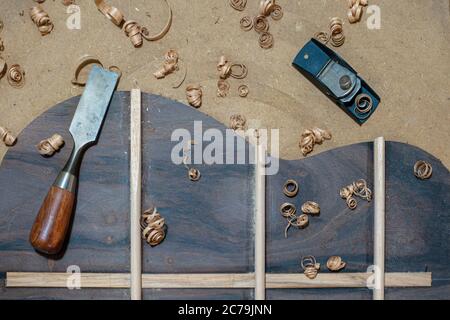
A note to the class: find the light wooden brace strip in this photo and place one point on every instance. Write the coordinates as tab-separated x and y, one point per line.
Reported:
260	220
135	195
214	281
379	217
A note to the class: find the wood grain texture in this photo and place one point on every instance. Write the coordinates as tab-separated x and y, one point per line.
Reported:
210	223
49	231
215	281
135	195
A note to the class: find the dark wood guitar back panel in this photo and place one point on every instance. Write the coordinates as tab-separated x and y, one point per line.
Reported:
210	222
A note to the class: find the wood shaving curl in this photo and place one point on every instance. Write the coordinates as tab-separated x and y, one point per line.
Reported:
194	95
6	137
288	210
238	122
2	45
266	7
238	75
355	11
132	29
277	12
246	23
322	36
310	266
223	87
358	188
351	203
170	65
224	67
290	188
85	64
153	227
423	170
300	222
361	190
311	207
238	5
41	20
3	67
243	91
337	32
16	76
335	263
194	174
260	24
266	40
311	137
49	146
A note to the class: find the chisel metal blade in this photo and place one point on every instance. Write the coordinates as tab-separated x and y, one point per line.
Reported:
93	105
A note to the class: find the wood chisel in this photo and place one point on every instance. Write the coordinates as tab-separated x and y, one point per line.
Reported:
51	226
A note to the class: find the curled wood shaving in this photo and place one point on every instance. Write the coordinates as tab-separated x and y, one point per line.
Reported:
238	75
224	67
299	222
358	188
82	70
310	137
6	137
277	12
335	263
223	87
288	210
2	45
51	145
169	66
110	12
3	67
266	40
194	174
238	122
351	203
311	207
246	23
363	103
194	95
322	36
260	24
238	5
153	227
266	7
243	91
41	19
337	32
355	11
361	190
310	266
132	29
423	170
290	188
16	76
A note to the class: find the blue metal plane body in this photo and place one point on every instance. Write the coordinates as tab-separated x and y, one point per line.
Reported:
325	69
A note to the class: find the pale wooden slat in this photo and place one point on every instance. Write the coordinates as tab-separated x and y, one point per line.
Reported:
260	221
201	281
135	195
379	217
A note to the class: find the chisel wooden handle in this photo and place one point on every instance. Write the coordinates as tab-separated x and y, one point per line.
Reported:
52	223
